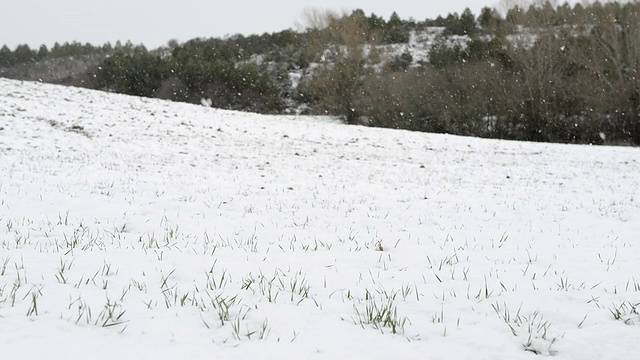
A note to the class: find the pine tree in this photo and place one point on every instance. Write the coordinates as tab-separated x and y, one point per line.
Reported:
43	52
23	54
467	23
7	57
395	32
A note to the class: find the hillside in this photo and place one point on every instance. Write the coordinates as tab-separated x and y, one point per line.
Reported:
543	72
136	227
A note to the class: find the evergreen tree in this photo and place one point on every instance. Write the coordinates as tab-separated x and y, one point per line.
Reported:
107	48
23	54
395	32
440	21
140	74
7	57
56	50
452	25
467	23
489	19
43	52
376	22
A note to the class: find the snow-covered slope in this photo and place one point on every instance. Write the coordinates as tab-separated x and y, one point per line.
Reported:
138	228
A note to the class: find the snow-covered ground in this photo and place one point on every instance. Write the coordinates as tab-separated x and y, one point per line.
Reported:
142	229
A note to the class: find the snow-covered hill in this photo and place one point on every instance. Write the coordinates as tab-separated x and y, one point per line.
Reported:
138	228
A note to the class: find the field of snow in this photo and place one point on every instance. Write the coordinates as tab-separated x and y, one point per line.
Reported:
142	229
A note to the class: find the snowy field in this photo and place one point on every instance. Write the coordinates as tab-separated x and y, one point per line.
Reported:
142	229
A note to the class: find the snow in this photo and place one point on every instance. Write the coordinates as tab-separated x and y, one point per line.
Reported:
419	46
140	228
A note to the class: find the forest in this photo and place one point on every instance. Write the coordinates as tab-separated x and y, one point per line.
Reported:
545	72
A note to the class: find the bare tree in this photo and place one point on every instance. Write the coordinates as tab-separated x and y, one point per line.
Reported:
340	56
316	18
610	49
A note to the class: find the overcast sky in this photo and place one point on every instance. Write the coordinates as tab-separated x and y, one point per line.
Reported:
154	22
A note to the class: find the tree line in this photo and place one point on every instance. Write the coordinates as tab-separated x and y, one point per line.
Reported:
542	72
23	54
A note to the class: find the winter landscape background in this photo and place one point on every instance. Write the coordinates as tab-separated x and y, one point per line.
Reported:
358	188
535	70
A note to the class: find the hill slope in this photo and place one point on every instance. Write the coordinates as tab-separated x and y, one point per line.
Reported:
141	228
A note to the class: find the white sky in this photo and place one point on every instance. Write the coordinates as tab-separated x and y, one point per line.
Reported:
155	22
